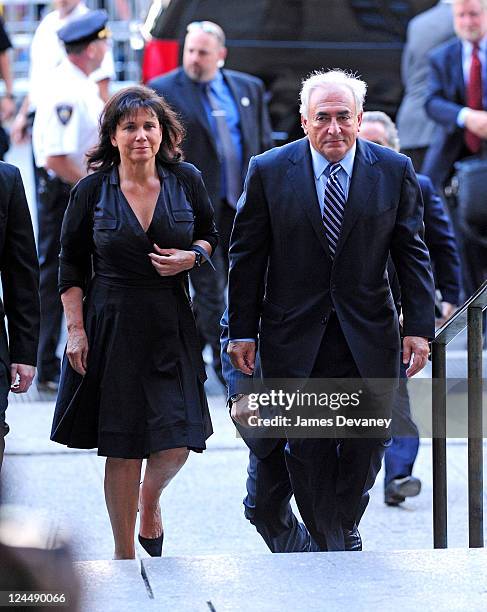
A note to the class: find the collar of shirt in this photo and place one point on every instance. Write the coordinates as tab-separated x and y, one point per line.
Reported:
216	84
467	48
320	168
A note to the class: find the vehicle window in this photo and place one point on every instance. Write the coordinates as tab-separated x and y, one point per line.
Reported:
295	20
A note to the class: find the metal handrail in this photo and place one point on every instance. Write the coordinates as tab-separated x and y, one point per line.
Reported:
468	316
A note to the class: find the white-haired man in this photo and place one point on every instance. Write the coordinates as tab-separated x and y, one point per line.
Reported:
308	257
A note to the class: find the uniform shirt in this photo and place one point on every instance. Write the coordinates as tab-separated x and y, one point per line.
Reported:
47	52
66	121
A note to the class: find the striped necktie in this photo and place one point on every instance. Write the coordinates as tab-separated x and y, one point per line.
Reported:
333	209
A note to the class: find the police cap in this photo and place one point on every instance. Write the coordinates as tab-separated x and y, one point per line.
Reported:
84	29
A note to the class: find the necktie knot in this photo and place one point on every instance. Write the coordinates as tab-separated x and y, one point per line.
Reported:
334	170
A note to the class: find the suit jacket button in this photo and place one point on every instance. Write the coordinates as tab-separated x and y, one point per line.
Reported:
324	320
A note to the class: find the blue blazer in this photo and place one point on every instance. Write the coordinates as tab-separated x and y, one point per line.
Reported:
283	283
445	99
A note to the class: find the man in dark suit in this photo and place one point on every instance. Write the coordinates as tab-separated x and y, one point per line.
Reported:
400	456
456	100
20	283
312	235
227	122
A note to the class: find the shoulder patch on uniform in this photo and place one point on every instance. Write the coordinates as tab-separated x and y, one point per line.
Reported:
64	112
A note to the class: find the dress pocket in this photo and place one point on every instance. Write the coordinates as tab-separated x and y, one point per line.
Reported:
183	215
103	223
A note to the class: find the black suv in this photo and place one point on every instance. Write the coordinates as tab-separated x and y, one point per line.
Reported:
281	41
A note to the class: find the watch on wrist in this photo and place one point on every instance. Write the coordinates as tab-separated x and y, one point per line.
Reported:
197	259
234	398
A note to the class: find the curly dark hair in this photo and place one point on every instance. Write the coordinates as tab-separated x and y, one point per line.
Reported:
127	102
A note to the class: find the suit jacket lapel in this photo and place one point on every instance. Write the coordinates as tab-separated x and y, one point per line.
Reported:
192	94
301	179
456	62
364	178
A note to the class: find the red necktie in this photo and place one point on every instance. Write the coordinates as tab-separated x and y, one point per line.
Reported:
474	96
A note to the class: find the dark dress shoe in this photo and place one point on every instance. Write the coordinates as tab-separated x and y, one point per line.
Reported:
352	539
152	546
400	488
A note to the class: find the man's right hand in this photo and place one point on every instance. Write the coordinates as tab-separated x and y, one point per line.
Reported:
476	122
242	356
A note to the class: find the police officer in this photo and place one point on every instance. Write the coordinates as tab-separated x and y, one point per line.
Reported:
65	128
46	52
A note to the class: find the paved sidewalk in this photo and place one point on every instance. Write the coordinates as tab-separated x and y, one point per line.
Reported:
430	581
202	507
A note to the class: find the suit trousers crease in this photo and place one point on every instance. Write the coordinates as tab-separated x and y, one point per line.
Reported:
330	477
267	504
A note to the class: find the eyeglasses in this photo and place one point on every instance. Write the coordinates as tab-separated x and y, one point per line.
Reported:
209	27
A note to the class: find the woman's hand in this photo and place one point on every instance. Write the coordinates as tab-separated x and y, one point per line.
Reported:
77	350
169	262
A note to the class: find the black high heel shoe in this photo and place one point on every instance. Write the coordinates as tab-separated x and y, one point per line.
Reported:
152	546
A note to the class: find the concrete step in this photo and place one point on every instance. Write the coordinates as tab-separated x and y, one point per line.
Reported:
431	580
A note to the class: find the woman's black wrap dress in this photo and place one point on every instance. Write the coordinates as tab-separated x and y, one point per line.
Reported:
143	389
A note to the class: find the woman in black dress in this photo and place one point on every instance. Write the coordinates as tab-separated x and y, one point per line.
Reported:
132	377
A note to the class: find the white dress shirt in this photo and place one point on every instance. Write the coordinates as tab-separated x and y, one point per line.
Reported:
47	52
66	120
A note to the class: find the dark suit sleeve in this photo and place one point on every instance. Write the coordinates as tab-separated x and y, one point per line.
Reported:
20	277
411	260
265	123
230	374
249	252
437	105
76	240
441	244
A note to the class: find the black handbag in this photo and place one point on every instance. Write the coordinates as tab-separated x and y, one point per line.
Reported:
470	187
